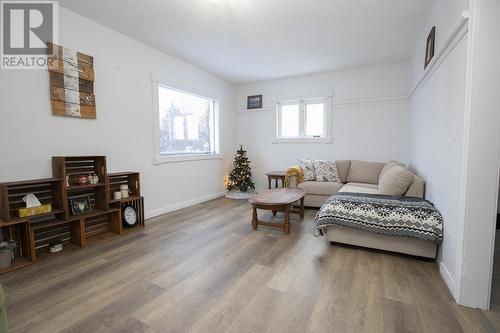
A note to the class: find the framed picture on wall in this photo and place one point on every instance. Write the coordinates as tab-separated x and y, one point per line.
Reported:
429	47
254	102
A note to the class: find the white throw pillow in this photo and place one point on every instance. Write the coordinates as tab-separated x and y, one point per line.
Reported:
395	180
308	168
326	171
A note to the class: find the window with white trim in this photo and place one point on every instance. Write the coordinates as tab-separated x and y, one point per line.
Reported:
185	125
303	120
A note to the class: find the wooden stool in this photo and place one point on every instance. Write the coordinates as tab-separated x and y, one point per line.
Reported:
276	175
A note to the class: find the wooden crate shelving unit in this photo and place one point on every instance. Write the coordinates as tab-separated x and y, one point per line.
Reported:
34	234
132	179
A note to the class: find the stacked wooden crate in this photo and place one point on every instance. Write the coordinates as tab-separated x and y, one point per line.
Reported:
132	179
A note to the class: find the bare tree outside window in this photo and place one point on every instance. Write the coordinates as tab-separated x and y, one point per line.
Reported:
187	123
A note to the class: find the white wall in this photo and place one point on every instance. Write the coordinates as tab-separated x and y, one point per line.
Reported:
371	124
443	16
123	131
437	127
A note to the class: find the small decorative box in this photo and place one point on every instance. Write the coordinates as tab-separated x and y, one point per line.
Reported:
25	212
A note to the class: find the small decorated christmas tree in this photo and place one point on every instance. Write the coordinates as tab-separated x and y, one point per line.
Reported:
241	176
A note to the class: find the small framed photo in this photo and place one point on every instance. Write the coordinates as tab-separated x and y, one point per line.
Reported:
80	204
429	46
254	102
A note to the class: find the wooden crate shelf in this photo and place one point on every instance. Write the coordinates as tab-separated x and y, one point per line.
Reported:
131	198
47	231
48	224
102	223
44	236
130	178
18	263
79	165
93	213
48	190
82	187
137	202
69	168
24	251
54	212
13	222
33	234
97	225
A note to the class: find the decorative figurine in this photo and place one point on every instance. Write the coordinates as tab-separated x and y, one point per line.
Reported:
82	180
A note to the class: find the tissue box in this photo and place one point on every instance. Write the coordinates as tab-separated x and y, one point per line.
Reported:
43	209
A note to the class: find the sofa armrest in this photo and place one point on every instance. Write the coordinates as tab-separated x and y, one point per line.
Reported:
417	188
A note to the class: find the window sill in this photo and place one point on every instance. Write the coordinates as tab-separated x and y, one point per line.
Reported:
302	140
185	158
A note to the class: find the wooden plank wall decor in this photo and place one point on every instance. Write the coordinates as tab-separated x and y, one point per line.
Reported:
71	83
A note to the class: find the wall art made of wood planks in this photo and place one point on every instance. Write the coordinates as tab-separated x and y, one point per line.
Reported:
71	83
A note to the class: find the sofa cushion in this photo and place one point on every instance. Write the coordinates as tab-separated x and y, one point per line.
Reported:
308	168
320	188
364	172
395	180
360	188
343	169
387	166
326	171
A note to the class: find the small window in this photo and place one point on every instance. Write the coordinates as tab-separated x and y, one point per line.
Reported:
303	120
314	119
290	121
186	125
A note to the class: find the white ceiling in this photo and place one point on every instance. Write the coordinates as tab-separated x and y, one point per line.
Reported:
254	40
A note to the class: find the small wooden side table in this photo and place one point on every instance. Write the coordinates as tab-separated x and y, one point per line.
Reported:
277	176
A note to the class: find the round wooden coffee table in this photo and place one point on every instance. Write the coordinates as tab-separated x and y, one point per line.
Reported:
278	200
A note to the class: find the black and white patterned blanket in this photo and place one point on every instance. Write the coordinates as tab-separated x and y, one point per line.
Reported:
385	214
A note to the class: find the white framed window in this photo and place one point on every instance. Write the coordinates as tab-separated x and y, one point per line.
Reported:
185	125
304	120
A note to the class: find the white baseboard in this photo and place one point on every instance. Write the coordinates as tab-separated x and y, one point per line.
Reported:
184	204
448	279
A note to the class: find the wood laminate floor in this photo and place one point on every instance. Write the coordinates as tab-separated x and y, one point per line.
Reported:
203	269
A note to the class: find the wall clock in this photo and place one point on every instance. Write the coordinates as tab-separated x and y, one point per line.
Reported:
129	216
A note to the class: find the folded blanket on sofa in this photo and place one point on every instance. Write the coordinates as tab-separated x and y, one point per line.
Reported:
385	214
294	171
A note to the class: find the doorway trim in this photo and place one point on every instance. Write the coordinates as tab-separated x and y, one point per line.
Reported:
481	159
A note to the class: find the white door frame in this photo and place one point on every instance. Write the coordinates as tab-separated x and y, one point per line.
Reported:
481	157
